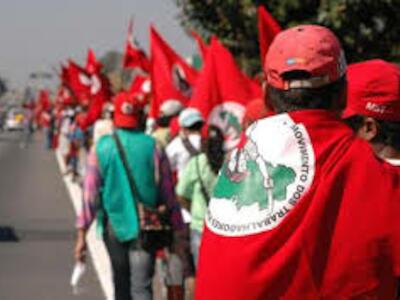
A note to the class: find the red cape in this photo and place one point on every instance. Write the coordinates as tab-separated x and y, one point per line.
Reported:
339	240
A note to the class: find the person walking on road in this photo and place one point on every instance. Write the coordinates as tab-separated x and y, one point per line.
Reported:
197	182
28	128
118	220
188	142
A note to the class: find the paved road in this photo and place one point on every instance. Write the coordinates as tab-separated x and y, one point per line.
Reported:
34	202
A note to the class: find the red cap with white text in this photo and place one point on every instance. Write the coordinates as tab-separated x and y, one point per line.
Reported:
373	90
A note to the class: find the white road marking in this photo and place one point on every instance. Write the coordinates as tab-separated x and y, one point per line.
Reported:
96	246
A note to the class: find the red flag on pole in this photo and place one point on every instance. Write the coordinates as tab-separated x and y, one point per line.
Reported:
172	77
223	91
79	81
92	64
64	76
99	83
100	94
100	91
268	28
64	97
44	100
201	44
42	111
134	57
141	88
137	84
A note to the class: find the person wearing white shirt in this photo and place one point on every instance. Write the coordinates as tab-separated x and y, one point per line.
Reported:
188	142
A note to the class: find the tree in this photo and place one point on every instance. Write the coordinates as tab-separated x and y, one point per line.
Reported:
366	28
112	67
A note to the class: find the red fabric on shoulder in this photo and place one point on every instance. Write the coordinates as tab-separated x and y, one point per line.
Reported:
339	241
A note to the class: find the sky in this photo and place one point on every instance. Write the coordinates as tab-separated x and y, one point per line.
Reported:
37	35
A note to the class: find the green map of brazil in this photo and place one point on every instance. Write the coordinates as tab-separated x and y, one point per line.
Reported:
250	188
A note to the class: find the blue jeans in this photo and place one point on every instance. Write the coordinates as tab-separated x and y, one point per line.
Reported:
133	269
195	240
142	265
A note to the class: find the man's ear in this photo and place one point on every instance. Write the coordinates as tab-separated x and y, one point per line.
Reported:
264	87
369	129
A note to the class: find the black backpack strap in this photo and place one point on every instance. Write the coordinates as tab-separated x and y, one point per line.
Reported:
189	147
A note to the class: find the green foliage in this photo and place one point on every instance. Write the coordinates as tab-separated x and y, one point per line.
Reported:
232	21
366	28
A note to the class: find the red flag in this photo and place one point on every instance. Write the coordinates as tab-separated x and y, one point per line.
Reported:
268	28
42	110
64	97
223	91
97	90
64	76
172	78
201	44
44	100
99	83
92	64
141	88
79	81
100	94
295	215
134	57
137	84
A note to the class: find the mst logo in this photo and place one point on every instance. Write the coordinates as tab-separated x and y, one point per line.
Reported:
262	181
228	117
180	81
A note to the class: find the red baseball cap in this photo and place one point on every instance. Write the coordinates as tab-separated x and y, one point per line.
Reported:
310	48
373	90
126	110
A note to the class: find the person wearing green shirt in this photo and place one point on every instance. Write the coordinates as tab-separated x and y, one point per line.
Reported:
197	182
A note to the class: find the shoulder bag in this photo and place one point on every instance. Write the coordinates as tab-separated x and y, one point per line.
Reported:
154	223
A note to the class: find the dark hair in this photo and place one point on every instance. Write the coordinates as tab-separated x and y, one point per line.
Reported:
326	97
391	132
196	126
142	117
388	131
213	147
164	121
354	122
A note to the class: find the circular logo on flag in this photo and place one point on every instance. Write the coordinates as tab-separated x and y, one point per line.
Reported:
228	117
84	80
146	86
264	180
127	108
96	85
180	82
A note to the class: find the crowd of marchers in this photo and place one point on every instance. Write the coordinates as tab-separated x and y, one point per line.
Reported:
290	191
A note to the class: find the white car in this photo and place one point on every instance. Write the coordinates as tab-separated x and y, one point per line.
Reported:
14	120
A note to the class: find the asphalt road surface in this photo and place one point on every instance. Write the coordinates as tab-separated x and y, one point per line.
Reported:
36	227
